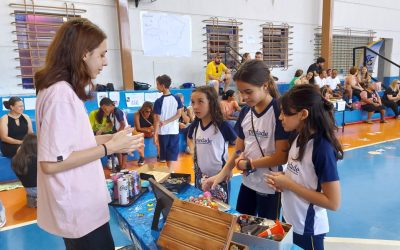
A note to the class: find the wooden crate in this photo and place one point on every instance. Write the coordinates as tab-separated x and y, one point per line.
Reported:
191	226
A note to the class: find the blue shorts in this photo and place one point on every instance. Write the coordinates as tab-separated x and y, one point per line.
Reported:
315	242
169	147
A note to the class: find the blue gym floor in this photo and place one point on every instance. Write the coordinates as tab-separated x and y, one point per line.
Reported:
370	205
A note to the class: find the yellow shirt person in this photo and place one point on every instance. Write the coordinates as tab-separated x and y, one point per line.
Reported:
214	72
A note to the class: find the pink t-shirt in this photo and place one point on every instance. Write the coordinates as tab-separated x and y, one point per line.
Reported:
72	203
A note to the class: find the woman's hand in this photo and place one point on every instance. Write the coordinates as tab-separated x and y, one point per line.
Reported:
99	132
124	142
277	181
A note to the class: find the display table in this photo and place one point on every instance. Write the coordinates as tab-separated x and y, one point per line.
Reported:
136	219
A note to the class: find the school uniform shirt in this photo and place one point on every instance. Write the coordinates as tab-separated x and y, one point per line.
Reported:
167	106
74	202
333	82
319	165
268	129
117	117
211	145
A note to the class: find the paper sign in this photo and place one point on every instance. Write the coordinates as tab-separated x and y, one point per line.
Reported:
114	96
30	103
152	97
101	95
134	99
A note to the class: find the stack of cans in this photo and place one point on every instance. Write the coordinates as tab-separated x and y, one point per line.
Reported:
123	186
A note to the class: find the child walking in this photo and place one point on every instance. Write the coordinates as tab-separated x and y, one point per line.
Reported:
211	135
262	144
310	183
167	111
24	164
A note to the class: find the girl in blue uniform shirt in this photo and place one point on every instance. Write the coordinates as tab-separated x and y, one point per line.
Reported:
310	182
262	144
211	135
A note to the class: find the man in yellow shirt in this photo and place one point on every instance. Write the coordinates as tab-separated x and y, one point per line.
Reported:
214	76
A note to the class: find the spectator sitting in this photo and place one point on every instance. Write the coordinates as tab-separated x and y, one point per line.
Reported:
214	76
363	77
351	85
371	102
108	120
321	80
317	66
296	79
14	126
309	78
259	56
246	57
328	73
333	82
230	108
326	92
144	123
24	164
391	97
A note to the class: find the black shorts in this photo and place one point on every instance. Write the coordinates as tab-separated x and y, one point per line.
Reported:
262	205
315	242
372	108
169	147
99	239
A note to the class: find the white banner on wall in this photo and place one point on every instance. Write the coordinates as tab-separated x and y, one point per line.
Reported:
166	34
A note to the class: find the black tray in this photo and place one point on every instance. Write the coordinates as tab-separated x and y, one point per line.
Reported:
177	188
131	199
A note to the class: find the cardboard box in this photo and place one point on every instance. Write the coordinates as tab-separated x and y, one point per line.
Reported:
159	173
258	243
191	226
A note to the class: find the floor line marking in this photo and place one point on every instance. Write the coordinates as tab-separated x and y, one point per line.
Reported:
371	144
18	225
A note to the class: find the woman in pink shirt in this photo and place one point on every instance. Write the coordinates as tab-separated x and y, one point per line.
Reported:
72	195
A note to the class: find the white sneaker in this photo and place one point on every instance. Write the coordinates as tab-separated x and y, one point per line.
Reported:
2	215
109	164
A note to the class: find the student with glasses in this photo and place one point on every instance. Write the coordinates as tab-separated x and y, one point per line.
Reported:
144	123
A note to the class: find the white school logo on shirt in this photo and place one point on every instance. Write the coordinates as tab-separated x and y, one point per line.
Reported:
262	134
293	168
203	141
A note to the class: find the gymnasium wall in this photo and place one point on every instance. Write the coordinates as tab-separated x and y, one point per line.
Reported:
304	15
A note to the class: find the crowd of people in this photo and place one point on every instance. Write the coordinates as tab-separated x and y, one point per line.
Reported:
267	130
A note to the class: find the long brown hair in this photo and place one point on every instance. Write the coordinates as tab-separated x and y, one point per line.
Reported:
257	73
26	155
215	110
64	60
320	119
148	105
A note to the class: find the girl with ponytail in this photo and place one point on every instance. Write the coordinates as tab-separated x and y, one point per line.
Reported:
310	182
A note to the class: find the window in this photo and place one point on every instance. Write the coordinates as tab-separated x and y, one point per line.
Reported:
343	42
34	32
223	38
275	45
